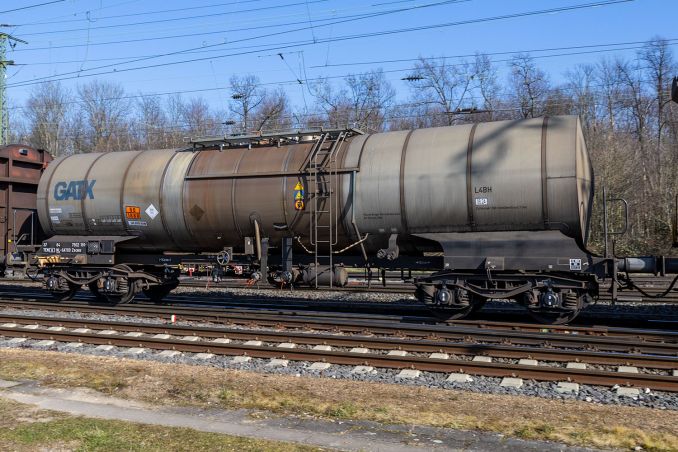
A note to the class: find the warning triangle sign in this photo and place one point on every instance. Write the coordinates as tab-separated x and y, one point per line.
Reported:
298	186
298	195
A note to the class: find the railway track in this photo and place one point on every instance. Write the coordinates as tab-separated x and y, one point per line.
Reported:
216	308
441	349
292	317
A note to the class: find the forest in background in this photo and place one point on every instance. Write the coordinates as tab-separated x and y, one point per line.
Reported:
628	119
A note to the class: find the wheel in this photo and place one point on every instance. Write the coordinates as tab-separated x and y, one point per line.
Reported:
157	293
472	301
128	295
571	300
68	294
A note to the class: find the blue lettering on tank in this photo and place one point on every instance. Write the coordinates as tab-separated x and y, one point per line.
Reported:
60	190
76	190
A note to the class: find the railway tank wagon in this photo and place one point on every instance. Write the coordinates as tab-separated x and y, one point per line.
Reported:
495	210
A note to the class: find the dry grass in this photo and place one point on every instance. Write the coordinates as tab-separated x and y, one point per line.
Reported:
525	417
23	428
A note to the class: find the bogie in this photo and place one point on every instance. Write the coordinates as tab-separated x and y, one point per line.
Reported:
549	298
119	284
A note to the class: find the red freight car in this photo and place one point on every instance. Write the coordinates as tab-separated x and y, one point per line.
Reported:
20	232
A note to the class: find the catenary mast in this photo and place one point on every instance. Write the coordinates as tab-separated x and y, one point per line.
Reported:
5	39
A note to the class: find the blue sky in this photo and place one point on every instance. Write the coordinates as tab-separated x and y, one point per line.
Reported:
69	39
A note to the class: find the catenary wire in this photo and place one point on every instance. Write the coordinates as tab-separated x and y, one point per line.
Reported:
342	38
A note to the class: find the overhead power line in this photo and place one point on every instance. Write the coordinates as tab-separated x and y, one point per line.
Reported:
194	34
471	55
148	13
142	13
31	6
67	75
88	12
179	52
173	19
613	47
259	25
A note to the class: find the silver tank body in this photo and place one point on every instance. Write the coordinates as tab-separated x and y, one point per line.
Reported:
522	175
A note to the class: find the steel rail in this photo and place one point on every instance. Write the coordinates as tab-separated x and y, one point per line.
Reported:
610	351
542	373
336	322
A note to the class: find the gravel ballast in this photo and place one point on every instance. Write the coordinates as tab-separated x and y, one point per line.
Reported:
480	384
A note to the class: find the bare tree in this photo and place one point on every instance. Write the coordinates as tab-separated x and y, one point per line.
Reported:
661	68
246	96
412	115
634	103
274	112
580	81
151	122
106	111
312	119
606	79
197	118
362	103
46	112
485	74
174	129
442	87
529	86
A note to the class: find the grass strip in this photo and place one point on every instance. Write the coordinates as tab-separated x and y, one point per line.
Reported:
23	427
570	422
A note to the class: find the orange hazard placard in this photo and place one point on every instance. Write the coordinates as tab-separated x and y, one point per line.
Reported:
133	212
299	204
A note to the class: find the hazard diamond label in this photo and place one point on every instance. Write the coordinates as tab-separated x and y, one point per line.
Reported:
152	212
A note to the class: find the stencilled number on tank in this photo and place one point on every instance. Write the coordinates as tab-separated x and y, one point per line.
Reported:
575	264
481	201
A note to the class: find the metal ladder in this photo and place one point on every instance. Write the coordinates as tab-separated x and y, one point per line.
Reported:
322	175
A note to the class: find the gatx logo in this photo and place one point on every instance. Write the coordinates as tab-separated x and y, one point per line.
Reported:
75	189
